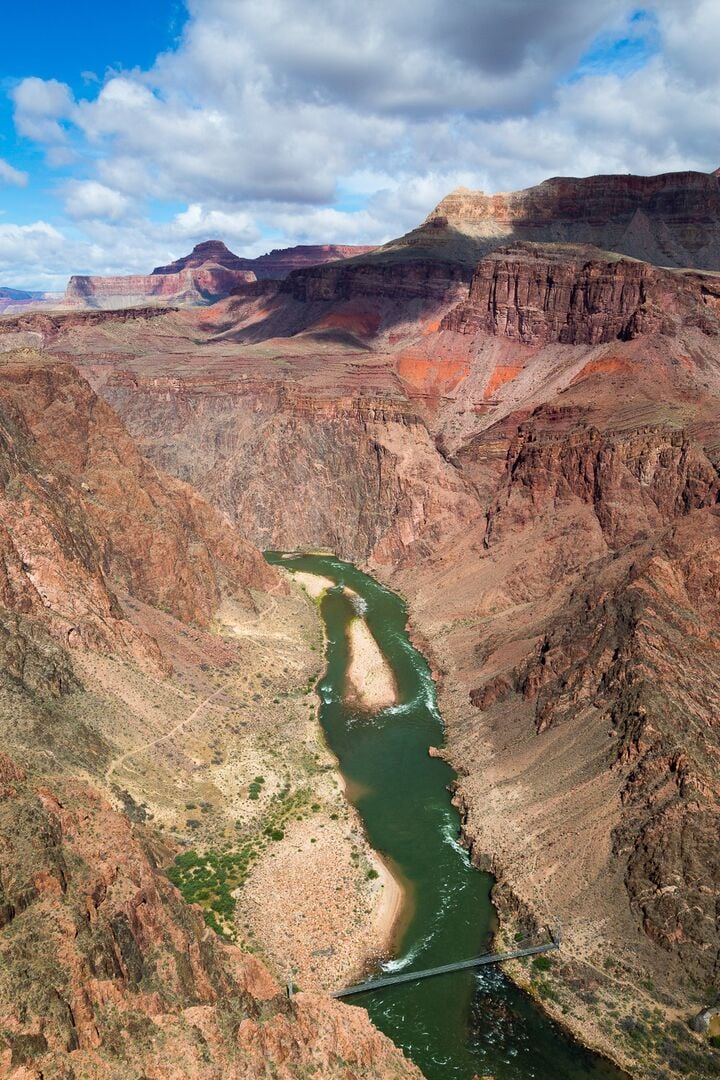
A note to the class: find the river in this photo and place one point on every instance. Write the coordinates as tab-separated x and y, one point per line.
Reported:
456	1025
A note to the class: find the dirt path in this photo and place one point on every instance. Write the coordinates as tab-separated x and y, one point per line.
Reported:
168	734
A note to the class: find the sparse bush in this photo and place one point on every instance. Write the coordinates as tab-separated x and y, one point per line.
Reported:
542	963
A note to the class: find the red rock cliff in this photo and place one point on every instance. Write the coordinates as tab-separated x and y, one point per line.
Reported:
670	220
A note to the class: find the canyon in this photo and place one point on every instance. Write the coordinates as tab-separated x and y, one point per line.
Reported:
510	416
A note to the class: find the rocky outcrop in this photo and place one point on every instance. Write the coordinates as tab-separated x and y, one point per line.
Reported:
634	481
125	978
670	220
81	509
203	284
278	263
573	296
210	272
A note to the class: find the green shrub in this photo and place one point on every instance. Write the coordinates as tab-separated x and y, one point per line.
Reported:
542	963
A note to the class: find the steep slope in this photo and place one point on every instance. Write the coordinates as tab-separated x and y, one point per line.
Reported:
115	714
153	536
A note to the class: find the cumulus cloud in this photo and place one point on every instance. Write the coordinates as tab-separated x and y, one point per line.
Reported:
90	199
40	106
336	121
10	175
29	253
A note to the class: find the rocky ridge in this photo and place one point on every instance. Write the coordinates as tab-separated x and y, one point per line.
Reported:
670	219
277	264
211	271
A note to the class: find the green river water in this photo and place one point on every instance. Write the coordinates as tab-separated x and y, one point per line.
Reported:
455	1025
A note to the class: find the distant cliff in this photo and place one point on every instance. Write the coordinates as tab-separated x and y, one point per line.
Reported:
670	220
210	272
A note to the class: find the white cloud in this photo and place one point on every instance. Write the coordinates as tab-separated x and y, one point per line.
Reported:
39	106
348	122
90	199
10	175
237	226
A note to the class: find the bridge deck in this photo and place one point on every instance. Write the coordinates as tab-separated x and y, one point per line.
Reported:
475	961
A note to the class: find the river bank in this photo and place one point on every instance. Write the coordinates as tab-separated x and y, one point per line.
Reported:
499	813
323	902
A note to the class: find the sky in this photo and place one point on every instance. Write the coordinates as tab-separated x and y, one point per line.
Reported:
129	132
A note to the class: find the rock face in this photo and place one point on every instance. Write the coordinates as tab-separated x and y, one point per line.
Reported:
82	508
421	281
667	473
559	293
670	220
125	977
360	475
636	652
205	283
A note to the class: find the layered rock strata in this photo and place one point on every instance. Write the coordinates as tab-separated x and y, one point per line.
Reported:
670	220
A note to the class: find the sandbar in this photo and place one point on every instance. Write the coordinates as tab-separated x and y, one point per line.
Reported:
370	679
314	584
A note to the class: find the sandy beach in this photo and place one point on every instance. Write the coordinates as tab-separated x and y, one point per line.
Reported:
321	900
314	584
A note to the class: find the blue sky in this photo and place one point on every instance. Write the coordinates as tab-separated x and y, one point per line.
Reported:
76	43
128	133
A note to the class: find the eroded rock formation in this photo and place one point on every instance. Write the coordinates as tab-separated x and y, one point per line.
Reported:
210	272
125	977
531	456
670	219
565	294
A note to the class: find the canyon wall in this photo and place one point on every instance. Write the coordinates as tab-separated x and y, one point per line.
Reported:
110	573
550	511
205	283
562	294
360	475
670	220
209	272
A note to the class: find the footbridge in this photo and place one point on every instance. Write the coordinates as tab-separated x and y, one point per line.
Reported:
429	973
